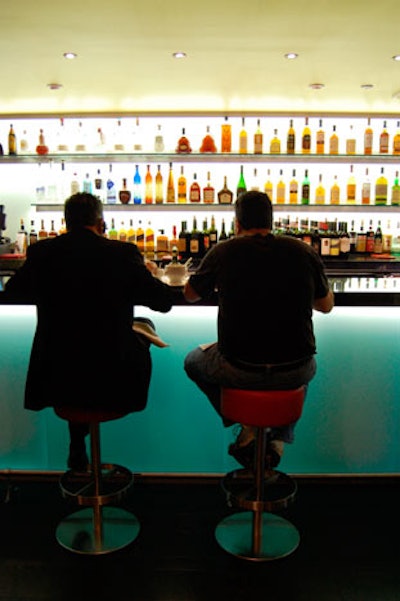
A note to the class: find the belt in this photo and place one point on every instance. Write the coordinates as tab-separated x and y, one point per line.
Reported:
271	367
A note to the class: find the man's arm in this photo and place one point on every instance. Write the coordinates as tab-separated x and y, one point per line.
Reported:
324	304
190	293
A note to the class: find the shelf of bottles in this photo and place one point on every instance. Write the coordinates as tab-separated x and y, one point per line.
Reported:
183	167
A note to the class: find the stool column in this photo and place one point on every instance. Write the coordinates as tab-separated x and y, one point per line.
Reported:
260	468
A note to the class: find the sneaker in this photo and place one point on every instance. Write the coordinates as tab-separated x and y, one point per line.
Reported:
146	330
274	453
78	461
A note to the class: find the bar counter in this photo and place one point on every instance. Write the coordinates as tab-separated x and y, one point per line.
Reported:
351	419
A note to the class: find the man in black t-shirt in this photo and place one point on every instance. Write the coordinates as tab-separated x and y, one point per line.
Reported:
267	288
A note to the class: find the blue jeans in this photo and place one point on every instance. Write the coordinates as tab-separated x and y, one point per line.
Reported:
210	371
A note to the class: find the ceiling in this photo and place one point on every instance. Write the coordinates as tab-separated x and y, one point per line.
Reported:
235	56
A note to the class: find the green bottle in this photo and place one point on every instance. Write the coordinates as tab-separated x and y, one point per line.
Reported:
241	187
305	190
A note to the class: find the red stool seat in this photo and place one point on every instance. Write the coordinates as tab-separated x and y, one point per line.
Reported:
86	416
262	408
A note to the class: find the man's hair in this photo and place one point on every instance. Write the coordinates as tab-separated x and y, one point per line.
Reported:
254	210
82	209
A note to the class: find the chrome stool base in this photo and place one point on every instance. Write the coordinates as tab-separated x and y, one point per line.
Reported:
234	535
97	530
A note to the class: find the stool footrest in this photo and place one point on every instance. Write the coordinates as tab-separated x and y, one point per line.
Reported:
80	486
239	487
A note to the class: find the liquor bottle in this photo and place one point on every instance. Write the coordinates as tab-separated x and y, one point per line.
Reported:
149	242
291	139
396	241
241	187
305	189
361	239
137	137
381	189
213	232
293	189
320	192
98	185
183	146
275	144
226	136
100	145
325	240
124	194
33	237
159	196
148	187
384	140
118	145
122	233
351	142
268	186
387	240
231	233
208	191
184	241
243	139
195	248
137	187
335	192
351	188
159	140
255	184
162	245
87	184
80	145
75	187
344	241
182	187
368	138
171	185
131	233
306	139
320	139
378	240
334	142
206	236
42	148
396	140
42	233
12	141
366	190
112	232
111	194
258	139
22	239
225	196
280	189
52	231
208	144
223	235
140	237
194	190
335	239
63	228
24	143
61	141
353	238
370	241
174	240
395	197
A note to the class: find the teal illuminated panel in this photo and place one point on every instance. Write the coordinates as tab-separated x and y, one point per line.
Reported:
350	423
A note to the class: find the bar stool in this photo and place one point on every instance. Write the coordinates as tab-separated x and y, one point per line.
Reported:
259	535
97	529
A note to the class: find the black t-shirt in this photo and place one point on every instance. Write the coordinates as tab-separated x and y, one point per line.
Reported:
266	287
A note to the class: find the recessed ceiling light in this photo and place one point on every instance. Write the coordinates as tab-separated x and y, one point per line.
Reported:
179	55
396	57
70	55
316	86
54	86
367	86
291	55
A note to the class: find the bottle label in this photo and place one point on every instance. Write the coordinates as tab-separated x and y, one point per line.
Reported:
325	247
194	246
194	195
368	143
306	144
366	193
208	195
225	198
396	195
258	142
381	193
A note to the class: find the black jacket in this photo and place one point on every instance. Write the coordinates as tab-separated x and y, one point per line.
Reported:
84	352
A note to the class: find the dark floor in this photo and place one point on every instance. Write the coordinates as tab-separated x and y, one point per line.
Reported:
349	550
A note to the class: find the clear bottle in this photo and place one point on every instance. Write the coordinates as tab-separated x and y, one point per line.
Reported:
111	194
387	239
159	140
137	187
137	137
75	186
119	144
351	142
87	184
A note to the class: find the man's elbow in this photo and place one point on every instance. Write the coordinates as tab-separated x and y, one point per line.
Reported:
190	294
325	304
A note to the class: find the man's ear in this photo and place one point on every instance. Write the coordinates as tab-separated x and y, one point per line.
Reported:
238	228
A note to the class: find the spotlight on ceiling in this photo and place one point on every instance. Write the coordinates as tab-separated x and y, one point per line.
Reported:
316	86
54	86
291	55
70	55
179	55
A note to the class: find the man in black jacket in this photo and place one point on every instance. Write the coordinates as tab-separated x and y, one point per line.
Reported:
85	287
